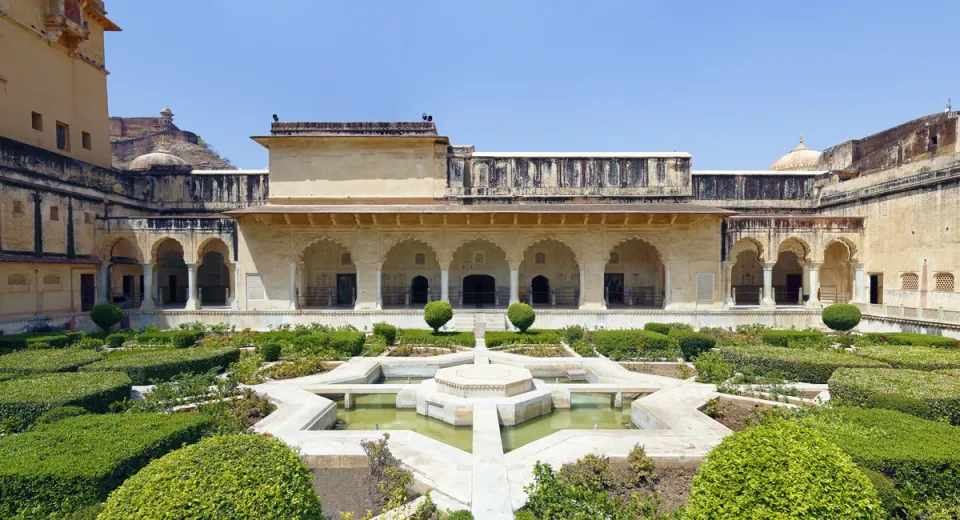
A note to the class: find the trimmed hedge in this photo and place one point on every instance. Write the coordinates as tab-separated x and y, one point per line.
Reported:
429	337
666	328
521	316
60	413
38	341
531	337
841	316
437	314
106	315
169	338
782	338
917	454
917	358
76	462
347	343
386	331
116	340
692	344
26	398
224	477
270	351
46	361
808	366
634	344
161	364
908	338
924	394
781	470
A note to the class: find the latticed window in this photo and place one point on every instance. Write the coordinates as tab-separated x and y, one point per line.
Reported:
17	282
615	258
909	282
420	259
540	259
943	282
345	259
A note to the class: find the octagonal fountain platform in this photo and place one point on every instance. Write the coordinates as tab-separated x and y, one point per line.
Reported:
451	395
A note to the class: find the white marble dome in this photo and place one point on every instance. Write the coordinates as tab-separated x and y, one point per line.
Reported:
158	160
800	158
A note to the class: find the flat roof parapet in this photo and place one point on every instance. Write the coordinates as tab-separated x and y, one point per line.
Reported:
411	128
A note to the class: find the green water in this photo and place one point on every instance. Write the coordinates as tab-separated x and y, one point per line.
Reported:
373	410
587	410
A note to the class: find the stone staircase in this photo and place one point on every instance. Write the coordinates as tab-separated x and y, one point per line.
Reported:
467	321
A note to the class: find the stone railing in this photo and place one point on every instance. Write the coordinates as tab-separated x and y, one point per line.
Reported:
911	313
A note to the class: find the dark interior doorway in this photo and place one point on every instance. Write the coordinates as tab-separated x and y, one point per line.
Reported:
794	287
613	286
346	288
479	289
540	285
419	289
172	288
876	289
88	292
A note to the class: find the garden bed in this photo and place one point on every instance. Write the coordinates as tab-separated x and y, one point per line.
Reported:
917	358
544	351
407	350
621	345
661	368
26	398
160	364
808	366
46	361
924	394
496	339
439	339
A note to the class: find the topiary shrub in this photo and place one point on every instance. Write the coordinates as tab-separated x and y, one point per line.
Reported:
106	315
184	338
910	338
439	339
347	343
807	366
659	328
47	361
270	351
781	470
841	316
70	464
89	344
573	333
692	344
116	340
917	358
521	316
162	364
634	344
494	339
437	314
59	413
712	368
229	476
26	398
924	394
386	331
783	338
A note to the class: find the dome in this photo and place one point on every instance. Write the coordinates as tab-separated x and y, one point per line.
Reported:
158	161
166	112
800	158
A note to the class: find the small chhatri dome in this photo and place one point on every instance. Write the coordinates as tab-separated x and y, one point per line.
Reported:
160	160
166	113
800	158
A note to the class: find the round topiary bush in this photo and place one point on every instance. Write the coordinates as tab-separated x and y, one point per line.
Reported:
841	316
521	315
437	314
781	469
270	351
692	344
225	477
116	340
106	315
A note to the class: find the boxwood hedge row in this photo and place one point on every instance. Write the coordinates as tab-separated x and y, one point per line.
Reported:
38	340
495	339
229	476
924	394
28	397
908	338
917	358
429	337
783	338
808	366
75	462
162	364
635	344
169	338
45	361
917	454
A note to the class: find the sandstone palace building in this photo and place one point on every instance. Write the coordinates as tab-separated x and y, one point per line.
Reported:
368	221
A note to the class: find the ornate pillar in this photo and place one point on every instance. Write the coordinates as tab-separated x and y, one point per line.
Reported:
104	282
235	302
859	283
728	284
146	298
293	285
768	301
192	302
667	287
445	283
805	291
379	301
514	282
301	280
814	273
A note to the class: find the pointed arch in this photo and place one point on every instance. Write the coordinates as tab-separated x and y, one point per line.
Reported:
410	273
639	279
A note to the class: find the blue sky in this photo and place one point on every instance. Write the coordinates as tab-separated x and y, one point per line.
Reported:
732	82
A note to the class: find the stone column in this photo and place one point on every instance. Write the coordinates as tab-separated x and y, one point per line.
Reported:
859	283
768	301
667	288
104	282
192	302
583	281
235	302
814	272
301	280
293	285
805	291
146	298
445	283
514	283
728	300
380	289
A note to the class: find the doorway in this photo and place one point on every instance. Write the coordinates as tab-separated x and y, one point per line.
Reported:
346	288
88	292
479	290
540	285
172	289
419	290
794	288
876	289
613	287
